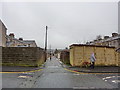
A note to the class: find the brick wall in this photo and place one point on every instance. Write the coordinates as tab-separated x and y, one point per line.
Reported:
22	56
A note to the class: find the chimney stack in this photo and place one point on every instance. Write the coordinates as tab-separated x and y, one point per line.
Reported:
11	35
114	34
21	39
106	37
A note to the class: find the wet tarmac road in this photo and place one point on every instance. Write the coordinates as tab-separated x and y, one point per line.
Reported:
54	75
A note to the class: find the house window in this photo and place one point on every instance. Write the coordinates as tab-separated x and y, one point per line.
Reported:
28	45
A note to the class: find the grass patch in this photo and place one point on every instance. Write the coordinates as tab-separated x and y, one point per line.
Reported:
66	62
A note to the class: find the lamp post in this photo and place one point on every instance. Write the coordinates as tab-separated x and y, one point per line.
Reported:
46	44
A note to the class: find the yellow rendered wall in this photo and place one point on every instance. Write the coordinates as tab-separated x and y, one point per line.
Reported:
100	56
117	59
104	56
71	56
87	52
78	56
110	56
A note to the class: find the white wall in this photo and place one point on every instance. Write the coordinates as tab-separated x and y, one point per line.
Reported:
0	33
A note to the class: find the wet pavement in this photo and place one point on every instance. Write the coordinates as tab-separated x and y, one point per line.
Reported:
97	69
19	80
54	75
18	68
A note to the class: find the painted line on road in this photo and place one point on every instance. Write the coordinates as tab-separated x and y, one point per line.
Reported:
24	72
73	71
86	72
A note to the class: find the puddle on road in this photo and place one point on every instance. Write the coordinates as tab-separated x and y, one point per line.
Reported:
25	75
53	67
83	87
116	81
110	78
76	74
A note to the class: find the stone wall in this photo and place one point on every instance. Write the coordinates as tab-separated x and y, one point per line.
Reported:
64	57
0	68
22	56
0	57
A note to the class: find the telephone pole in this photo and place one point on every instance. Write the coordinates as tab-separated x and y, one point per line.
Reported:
50	53
46	43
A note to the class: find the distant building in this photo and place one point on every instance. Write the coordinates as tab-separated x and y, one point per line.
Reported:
64	56
29	43
3	31
107	41
14	42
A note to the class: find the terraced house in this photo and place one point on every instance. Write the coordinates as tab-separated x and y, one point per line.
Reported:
113	41
11	41
14	42
3	35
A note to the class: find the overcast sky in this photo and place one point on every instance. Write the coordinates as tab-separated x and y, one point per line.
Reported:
68	22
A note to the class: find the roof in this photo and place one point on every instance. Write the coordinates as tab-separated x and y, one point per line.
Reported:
22	41
106	40
91	45
29	41
65	50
